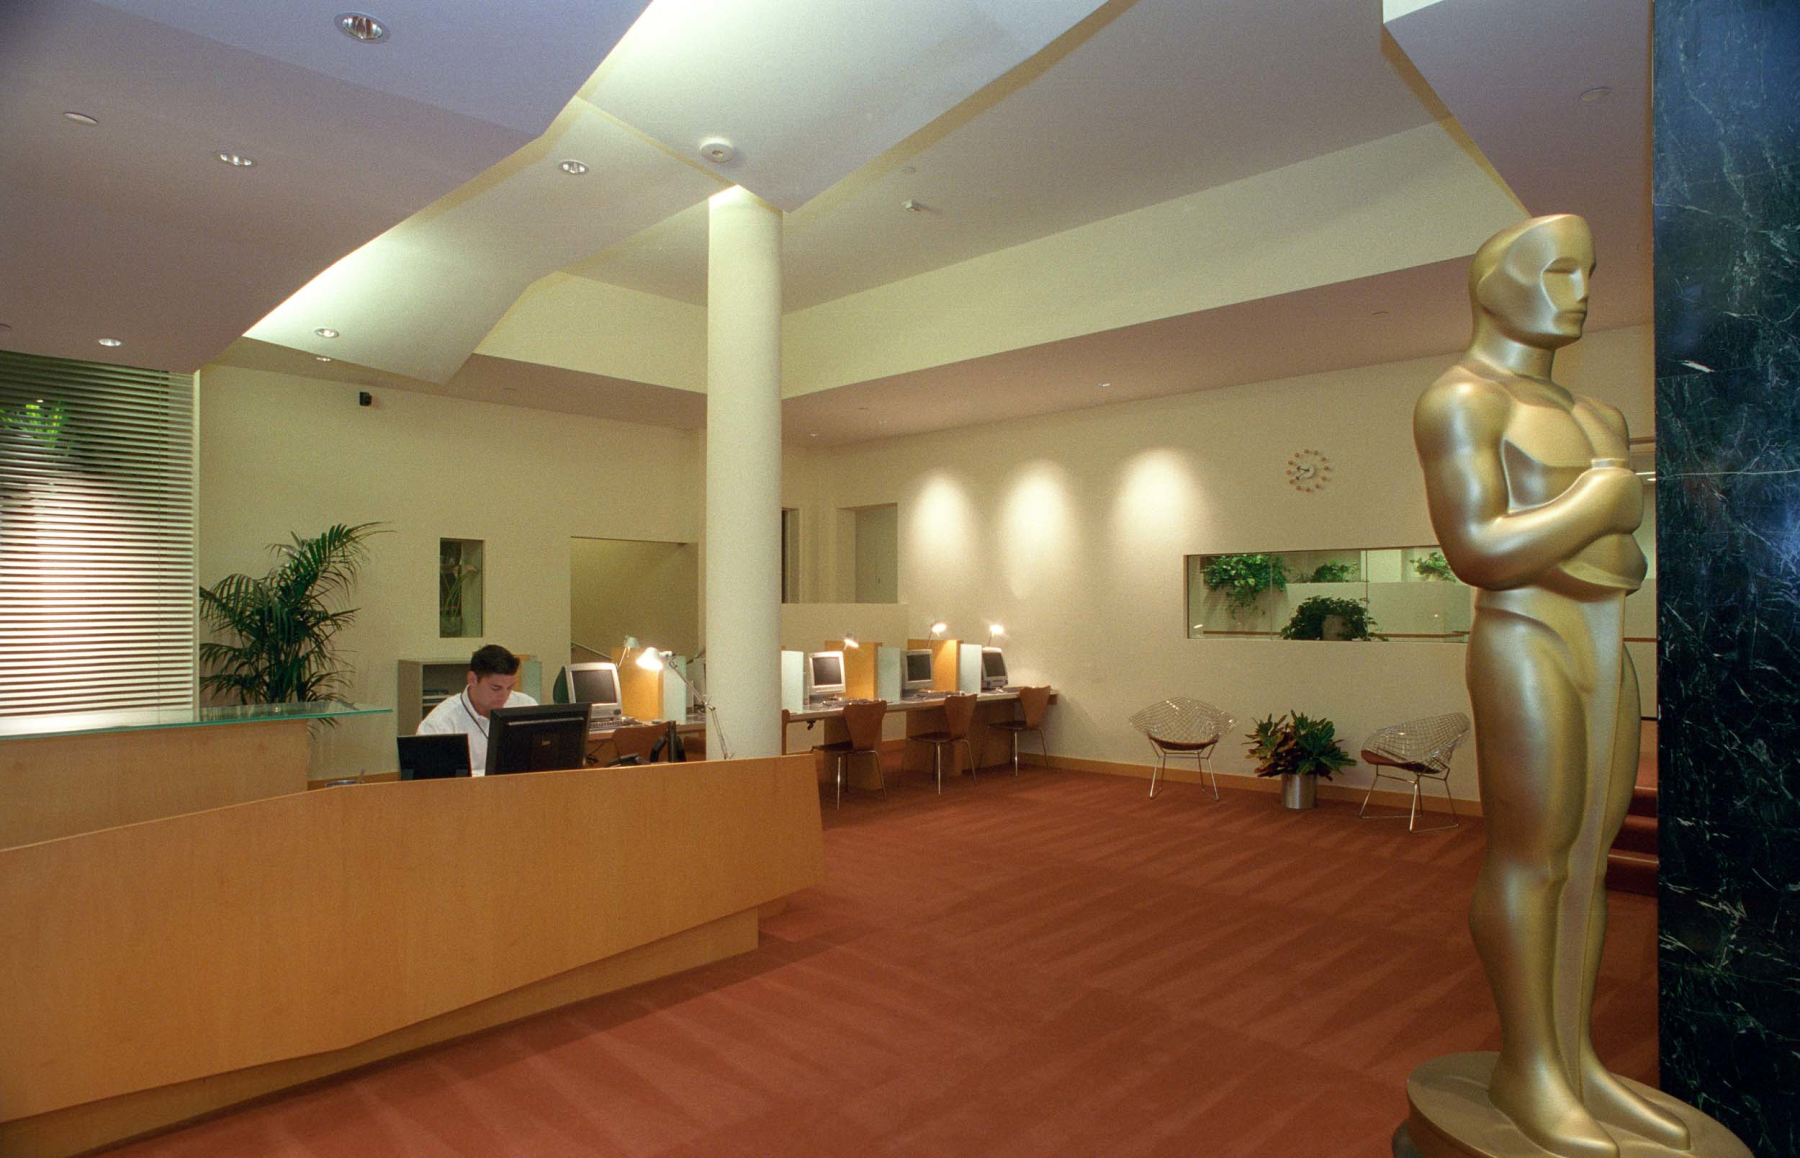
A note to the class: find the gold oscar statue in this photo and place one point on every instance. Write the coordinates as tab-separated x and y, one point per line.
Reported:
1534	506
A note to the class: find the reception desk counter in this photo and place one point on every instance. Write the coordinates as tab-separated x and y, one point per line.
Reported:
66	774
162	970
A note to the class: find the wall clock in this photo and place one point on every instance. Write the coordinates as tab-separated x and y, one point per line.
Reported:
1308	471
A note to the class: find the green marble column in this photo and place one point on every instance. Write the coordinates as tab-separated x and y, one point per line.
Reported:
1727	205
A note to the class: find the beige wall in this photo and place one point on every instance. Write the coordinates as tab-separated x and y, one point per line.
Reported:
281	454
1070	529
620	587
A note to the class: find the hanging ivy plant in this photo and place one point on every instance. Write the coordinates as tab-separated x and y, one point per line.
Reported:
1434	566
1309	619
1334	573
1244	578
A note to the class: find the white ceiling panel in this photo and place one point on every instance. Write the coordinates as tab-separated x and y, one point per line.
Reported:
515	65
808	91
418	299
1514	72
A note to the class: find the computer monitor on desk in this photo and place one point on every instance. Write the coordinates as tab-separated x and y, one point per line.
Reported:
594	684
993	669
537	739
824	675
915	672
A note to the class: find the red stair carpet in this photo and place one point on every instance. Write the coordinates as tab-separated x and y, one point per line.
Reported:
1049	965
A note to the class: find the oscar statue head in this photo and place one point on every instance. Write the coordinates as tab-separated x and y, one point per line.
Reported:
1529	282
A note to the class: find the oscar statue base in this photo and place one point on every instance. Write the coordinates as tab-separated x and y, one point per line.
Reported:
1452	1118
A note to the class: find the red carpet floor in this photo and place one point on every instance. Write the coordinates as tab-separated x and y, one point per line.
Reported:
1052	965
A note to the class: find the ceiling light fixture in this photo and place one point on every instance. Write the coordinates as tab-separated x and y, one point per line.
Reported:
326	332
236	160
1595	95
572	167
717	150
1379	314
912	206
320	358
4	328
80	119
1104	386
109	343
362	27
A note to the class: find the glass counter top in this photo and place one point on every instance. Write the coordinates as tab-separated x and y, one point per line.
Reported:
143	719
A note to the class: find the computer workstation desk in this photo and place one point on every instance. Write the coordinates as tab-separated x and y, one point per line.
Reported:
921	714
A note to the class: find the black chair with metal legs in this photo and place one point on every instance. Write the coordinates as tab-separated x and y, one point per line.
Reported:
1422	750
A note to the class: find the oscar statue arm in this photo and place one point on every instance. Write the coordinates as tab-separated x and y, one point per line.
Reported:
1458	426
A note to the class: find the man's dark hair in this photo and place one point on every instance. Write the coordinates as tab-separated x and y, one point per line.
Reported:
493	660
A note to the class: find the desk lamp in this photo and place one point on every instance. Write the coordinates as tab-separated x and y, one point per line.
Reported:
651	659
995	631
939	627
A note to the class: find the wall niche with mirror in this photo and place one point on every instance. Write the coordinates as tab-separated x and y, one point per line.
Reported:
1378	594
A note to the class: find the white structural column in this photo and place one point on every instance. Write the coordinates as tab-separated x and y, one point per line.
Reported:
743	474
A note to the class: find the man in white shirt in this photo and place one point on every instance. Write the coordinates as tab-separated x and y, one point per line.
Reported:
493	674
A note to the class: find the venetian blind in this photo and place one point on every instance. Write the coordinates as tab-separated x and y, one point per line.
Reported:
97	537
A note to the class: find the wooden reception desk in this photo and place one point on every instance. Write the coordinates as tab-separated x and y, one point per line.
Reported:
162	970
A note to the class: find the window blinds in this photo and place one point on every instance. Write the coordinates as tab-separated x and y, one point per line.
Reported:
97	537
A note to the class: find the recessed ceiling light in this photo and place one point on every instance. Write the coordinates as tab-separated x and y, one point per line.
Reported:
110	342
717	150
573	168
912	206
813	434
1596	94
1379	314
326	332
909	170
236	160
1105	386
4	328
320	358
362	27
80	119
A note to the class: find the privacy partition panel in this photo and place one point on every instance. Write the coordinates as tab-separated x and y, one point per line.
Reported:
97	537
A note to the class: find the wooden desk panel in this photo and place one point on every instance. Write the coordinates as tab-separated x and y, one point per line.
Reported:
203	944
58	786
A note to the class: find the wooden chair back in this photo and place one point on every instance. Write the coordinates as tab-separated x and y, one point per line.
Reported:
1032	703
959	713
637	739
863	723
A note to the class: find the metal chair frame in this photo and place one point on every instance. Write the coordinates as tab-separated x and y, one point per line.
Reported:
1183	727
872	720
1421	749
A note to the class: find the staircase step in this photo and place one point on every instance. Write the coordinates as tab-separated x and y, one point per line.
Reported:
1637	834
1643	801
1631	872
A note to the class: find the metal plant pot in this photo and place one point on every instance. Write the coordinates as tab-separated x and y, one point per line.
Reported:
1299	791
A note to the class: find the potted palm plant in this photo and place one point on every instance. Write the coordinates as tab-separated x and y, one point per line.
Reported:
280	630
1299	749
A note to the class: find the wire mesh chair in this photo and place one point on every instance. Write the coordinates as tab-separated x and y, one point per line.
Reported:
1183	727
1421	749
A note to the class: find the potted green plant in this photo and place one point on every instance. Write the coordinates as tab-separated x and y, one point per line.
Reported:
280	630
1299	749
1434	567
1326	617
1244	578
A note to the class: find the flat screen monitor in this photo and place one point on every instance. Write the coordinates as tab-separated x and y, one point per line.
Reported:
433	757
590	683
993	668
538	738
824	674
915	671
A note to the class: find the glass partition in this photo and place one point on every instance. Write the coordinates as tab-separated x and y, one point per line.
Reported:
1377	594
